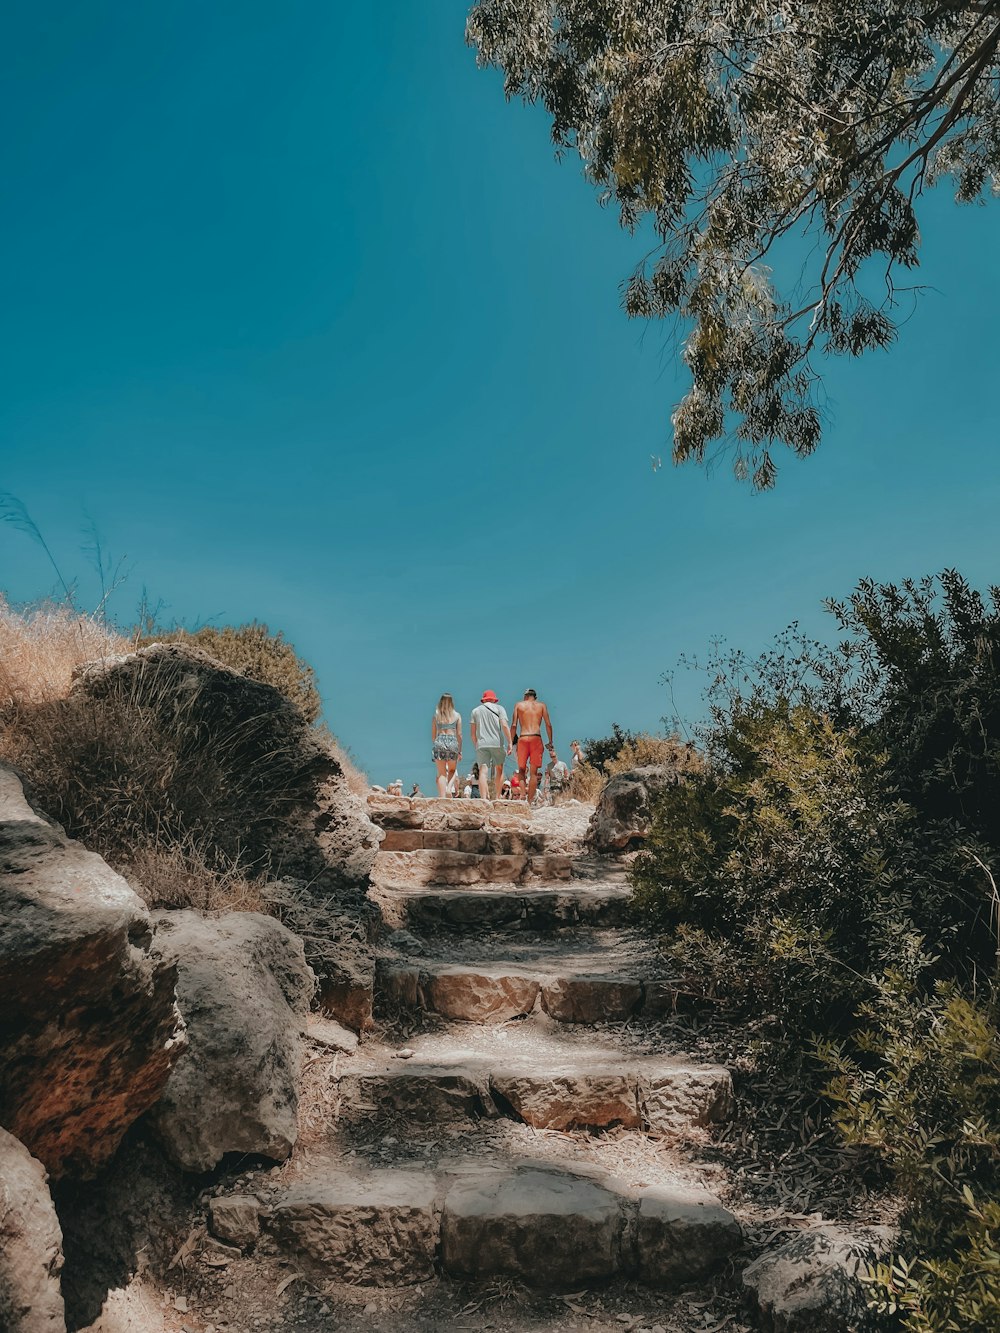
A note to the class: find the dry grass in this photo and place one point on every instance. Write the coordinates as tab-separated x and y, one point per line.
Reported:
586	783
42	645
645	750
179	876
357	780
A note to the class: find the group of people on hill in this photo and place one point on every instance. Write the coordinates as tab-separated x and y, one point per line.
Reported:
494	738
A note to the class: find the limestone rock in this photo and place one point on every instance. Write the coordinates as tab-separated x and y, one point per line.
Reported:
380	1229
684	1095
235	1218
88	1025
549	1228
319	828
568	1099
329	1033
486	994
591	999
421	1093
244	990
30	1245
682	1234
810	1284
624	811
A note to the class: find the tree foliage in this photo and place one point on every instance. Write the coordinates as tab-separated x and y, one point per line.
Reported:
732	127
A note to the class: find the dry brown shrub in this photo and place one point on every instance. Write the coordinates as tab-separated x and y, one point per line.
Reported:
41	645
586	783
357	780
645	750
180	876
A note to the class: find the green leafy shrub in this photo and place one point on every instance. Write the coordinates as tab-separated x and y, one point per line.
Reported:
919	1082
258	653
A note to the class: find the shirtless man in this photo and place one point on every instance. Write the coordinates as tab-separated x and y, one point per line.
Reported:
529	715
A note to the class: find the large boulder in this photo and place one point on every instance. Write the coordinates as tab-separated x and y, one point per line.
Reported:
811	1284
244	989
30	1245
279	795
88	1025
258	784
624	812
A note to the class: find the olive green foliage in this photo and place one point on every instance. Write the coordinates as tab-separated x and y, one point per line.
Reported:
623	750
258	653
833	864
743	135
920	1084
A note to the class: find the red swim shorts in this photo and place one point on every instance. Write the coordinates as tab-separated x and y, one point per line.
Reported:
529	749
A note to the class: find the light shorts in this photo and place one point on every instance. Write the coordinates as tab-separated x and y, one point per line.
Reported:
491	756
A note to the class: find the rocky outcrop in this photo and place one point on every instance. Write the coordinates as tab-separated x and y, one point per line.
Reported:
88	1025
811	1284
244	989
624	813
305	822
30	1245
279	800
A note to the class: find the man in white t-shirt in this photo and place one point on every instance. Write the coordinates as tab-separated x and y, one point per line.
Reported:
490	732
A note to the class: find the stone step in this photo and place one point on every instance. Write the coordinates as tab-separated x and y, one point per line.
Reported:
488	841
425	867
494	907
552	1228
400	812
652	1093
495	992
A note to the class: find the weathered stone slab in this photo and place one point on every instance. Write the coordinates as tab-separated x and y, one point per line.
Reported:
489	994
474	840
550	867
331	1034
421	1092
244	990
31	1255
685	1095
235	1218
447	867
569	1099
591	999
548	1228
402	840
395	812
810	1284
682	1234
376	1230
398	983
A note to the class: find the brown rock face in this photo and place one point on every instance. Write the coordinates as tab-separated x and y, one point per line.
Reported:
30	1245
244	989
88	1025
235	1218
591	999
569	1100
486	995
376	1230
624	810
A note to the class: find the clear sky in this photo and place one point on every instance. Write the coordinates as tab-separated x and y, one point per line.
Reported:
312	326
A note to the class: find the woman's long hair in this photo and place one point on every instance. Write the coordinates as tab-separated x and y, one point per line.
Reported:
446	712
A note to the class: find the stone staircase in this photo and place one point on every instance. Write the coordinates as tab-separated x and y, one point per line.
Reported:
522	1061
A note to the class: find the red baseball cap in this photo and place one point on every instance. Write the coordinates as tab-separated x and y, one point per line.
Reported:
489	697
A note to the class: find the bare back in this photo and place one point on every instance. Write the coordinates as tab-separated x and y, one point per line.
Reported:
530	713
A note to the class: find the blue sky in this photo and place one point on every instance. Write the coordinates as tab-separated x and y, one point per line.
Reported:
311	325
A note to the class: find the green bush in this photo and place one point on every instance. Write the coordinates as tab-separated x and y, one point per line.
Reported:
258	653
832	864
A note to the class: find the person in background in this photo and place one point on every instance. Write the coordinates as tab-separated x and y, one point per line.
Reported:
446	742
505	790
416	790
467	789
556	776
490	732
578	758
529	716
396	788
453	786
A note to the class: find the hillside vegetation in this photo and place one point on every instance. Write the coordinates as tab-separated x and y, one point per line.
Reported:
833	864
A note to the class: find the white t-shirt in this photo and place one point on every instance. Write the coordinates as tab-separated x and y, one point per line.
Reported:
490	720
